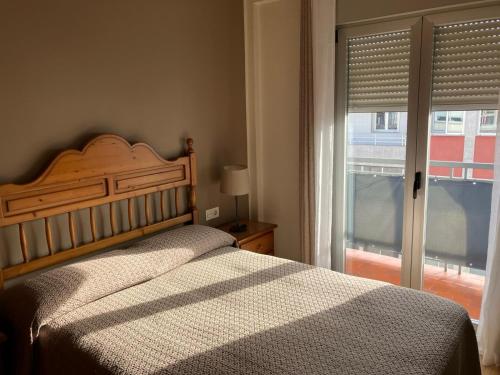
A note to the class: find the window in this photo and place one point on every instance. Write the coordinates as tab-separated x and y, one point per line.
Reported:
387	121
439	122
434	75
488	122
448	122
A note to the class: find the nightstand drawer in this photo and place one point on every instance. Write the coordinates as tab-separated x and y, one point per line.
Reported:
263	244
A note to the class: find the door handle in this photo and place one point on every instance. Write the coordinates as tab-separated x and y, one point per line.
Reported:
417	184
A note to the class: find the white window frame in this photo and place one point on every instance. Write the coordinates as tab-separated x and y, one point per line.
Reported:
386	122
447	122
414	24
418	131
495	121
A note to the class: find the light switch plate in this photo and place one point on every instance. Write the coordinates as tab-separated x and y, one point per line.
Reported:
212	213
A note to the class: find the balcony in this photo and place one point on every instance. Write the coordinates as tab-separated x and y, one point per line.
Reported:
462	287
458	216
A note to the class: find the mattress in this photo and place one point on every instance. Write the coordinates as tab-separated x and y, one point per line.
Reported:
186	302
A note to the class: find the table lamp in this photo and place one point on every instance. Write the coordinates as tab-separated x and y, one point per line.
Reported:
235	181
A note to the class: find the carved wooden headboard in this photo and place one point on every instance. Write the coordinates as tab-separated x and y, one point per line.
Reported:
108	170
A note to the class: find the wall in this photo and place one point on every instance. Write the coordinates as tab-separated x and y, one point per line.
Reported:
155	71
272	63
357	10
484	152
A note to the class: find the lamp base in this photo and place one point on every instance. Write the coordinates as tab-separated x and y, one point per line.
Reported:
238	228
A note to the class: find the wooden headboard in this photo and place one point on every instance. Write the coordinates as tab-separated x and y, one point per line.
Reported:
108	170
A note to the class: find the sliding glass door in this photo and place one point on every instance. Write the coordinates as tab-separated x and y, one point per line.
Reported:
417	113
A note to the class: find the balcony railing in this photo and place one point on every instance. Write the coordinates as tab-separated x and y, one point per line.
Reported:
458	210
396	167
378	139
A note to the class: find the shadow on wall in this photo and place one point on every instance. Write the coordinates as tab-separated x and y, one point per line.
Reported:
45	157
10	246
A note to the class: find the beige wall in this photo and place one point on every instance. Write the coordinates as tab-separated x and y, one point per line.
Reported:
272	48
152	71
357	10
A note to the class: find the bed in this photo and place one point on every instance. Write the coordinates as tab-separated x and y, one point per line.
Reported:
185	301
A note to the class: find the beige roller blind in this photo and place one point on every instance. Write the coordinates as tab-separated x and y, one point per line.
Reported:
378	72
466	67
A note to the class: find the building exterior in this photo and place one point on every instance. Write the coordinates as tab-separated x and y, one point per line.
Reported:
456	136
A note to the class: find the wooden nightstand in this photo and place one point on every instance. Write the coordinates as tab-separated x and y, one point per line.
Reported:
259	237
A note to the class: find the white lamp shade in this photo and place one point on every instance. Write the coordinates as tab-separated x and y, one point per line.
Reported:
235	180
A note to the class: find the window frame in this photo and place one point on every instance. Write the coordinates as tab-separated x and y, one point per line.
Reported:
495	121
414	24
418	131
386	122
446	123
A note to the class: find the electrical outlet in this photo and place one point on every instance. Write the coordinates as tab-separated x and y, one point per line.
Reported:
212	213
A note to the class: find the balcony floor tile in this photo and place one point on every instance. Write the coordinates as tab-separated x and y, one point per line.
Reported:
465	289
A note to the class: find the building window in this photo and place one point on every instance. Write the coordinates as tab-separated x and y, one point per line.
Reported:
448	122
488	122
387	121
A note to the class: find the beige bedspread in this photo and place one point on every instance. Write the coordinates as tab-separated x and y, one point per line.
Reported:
230	311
